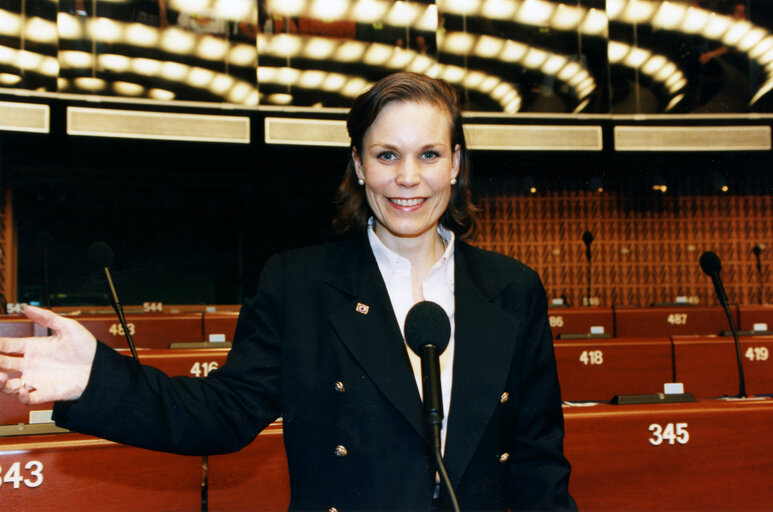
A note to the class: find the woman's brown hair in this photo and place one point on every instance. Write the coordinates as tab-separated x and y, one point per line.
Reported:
353	210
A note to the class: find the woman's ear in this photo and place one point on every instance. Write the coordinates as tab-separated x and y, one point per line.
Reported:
357	163
456	159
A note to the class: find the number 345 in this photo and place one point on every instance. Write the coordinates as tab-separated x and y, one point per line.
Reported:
670	432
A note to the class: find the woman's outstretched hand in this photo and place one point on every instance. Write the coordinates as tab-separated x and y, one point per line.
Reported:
47	368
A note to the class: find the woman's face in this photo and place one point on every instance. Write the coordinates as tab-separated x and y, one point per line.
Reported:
407	163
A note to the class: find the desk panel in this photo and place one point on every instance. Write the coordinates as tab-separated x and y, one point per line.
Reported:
220	324
580	320
16	326
708	367
193	362
598	369
670	321
750	315
76	472
708	456
254	478
150	330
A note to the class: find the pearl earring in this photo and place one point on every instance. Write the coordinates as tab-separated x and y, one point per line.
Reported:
453	181
360	181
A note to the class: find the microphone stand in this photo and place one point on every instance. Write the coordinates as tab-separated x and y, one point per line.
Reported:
587	237
433	415
121	317
722	296
757	250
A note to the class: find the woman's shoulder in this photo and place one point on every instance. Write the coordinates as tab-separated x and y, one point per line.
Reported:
316	259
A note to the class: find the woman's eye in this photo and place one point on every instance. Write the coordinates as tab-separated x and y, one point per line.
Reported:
429	155
386	155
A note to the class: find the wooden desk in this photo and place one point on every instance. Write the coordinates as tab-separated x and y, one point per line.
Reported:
151	330
580	320
220	324
193	362
707	365
670	321
750	315
598	369
76	472
709	456
16	326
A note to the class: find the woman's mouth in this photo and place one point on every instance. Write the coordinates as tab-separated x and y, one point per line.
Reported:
407	202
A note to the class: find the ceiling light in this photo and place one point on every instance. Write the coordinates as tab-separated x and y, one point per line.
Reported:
311	79
141	35
350	51
488	47
737	31
161	94
128	89
369	11
212	48
428	19
221	84
498	9
637	12
174	71
716	26
89	83
669	15
42	31
458	43
596	23
148	67
329	9
377	54
513	52
535	12
616	51
695	20
567	17
114	63
318	48
402	14
636	57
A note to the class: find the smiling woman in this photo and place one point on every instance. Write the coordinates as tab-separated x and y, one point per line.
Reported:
322	344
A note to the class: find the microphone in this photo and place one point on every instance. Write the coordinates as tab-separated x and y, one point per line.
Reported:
587	237
101	255
711	265
427	331
757	250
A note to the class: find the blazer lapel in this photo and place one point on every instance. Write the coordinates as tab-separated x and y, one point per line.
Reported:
366	325
484	343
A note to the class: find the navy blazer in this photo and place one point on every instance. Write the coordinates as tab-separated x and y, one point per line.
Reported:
338	373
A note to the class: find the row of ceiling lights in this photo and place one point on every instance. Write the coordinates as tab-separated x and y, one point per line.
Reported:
755	40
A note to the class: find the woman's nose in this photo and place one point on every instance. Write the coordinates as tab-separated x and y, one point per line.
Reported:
408	174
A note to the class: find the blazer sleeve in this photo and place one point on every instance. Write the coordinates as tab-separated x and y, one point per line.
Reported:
139	405
539	475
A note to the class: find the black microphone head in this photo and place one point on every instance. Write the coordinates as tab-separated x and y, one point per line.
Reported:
587	237
427	324
757	250
100	254
710	263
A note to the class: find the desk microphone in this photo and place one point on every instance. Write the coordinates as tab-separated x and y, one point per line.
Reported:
427	332
711	265
757	250
101	255
587	237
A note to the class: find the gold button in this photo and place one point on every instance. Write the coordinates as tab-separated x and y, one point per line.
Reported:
504	398
339	387
504	457
341	451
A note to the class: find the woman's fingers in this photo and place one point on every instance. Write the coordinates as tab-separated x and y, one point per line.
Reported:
11	363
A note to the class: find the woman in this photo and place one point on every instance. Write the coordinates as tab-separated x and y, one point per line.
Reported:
321	343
